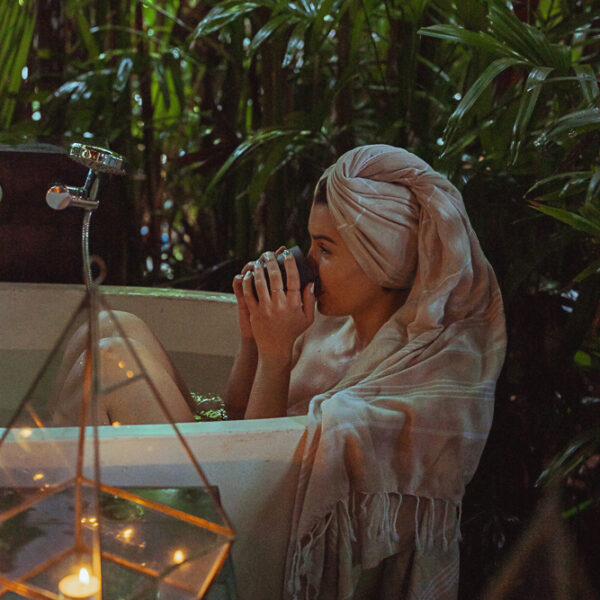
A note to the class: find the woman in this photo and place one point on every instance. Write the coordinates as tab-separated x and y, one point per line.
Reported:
407	345
267	380
396	371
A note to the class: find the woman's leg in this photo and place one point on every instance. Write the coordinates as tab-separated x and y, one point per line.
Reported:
134	328
125	367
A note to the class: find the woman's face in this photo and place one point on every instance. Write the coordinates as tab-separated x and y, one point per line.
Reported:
343	287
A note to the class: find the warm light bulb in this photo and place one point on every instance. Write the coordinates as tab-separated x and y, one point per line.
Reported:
178	557
84	576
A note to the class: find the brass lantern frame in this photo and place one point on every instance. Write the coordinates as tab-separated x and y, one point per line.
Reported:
83	494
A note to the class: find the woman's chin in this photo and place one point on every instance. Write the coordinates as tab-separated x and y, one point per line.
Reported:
321	306
325	308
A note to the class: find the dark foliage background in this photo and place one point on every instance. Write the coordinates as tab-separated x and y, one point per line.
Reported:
229	110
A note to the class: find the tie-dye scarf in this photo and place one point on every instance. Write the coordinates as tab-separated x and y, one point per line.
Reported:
391	447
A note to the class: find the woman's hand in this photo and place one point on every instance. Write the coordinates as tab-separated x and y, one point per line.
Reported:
277	317
243	314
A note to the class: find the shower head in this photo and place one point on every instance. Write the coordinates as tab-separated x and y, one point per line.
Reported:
101	163
99	160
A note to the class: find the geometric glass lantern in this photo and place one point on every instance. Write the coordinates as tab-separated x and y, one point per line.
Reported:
70	528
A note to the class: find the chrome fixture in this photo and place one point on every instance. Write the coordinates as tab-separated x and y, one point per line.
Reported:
101	163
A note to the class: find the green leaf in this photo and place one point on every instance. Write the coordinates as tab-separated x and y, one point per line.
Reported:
10	22
84	31
533	87
527	41
166	13
267	29
473	13
172	63
593	189
302	8
459	145
589	84
576	452
17	51
464	37
571	175
122	76
572	219
572	124
583	359
270	164
591	212
475	91
161	78
221	15
321	27
253	141
295	44
591	269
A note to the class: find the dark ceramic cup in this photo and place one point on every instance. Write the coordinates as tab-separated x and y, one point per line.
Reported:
306	273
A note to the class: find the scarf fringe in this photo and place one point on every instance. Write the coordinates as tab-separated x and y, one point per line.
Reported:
375	515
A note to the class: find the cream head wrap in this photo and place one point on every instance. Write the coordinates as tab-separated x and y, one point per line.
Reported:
377	216
391	447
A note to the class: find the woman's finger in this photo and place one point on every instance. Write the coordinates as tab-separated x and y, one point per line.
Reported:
291	273
248	289
248	267
238	289
275	279
260	284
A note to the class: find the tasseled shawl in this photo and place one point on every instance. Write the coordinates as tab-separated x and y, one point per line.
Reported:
412	414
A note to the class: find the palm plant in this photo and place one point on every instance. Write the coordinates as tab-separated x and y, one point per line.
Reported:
228	112
18	20
525	135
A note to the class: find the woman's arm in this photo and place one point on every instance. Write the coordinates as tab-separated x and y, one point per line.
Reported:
242	374
277	318
268	397
240	379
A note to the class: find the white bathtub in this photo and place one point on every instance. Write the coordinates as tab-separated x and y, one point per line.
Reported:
254	463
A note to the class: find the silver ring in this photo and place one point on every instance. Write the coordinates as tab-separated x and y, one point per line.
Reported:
281	290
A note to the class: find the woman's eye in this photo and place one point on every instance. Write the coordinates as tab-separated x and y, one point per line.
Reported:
323	249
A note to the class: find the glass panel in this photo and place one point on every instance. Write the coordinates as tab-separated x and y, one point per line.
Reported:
61	513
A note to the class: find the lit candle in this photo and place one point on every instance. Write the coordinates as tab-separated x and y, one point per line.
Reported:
79	586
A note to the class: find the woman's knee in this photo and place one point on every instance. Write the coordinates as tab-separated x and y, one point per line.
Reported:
136	387
118	323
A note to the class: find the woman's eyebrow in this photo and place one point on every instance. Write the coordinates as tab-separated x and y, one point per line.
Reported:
323	237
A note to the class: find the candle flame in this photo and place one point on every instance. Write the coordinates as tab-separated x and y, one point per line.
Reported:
84	576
